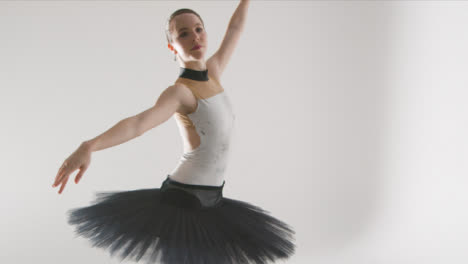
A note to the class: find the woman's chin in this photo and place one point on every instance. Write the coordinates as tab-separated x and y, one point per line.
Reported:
198	56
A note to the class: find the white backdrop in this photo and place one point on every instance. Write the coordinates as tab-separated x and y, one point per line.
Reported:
350	121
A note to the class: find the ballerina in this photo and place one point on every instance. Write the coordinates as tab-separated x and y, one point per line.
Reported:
187	219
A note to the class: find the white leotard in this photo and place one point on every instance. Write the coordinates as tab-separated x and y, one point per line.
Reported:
213	120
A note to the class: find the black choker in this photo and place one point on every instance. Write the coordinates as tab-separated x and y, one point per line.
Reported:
194	74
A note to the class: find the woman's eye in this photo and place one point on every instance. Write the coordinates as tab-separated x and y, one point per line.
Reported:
185	33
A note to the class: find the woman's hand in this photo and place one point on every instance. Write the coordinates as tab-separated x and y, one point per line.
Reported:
80	159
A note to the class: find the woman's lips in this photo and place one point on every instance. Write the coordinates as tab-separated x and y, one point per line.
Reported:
196	47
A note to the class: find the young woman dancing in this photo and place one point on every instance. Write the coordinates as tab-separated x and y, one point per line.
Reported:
187	219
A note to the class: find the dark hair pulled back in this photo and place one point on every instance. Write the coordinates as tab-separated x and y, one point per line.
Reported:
178	12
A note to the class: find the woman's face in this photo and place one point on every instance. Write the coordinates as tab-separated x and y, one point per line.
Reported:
188	32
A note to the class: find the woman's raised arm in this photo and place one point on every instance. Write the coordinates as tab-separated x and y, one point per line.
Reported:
220	58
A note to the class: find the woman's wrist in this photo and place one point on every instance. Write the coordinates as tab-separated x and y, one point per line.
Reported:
88	145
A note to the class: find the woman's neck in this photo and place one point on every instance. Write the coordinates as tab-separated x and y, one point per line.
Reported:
194	65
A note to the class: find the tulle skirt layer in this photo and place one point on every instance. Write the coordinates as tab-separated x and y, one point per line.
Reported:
181	223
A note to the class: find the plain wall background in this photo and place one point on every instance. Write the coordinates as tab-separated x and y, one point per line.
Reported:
351	121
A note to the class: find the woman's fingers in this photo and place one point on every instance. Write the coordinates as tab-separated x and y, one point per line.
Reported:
60	171
79	159
63	184
64	171
58	177
80	174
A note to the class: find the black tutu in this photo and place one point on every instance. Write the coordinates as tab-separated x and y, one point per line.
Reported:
182	224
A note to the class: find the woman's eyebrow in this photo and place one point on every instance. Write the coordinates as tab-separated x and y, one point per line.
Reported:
186	28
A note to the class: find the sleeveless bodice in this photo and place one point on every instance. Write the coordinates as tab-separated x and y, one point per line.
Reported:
213	121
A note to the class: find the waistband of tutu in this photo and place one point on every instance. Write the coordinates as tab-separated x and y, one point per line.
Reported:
194	186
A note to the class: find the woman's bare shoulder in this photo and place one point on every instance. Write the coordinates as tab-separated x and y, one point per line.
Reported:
183	88
185	96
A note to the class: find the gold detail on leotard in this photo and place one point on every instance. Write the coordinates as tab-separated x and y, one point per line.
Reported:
202	89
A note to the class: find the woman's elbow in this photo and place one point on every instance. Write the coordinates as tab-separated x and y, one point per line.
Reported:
152	118
167	104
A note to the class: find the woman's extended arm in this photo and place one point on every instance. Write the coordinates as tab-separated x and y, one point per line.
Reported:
167	104
134	126
220	58
121	132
